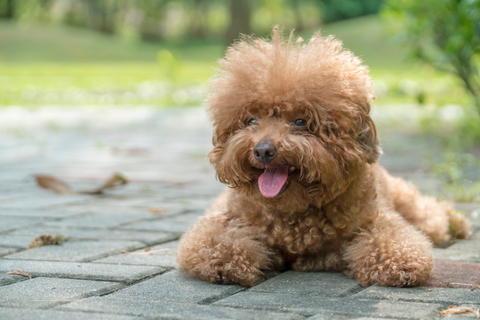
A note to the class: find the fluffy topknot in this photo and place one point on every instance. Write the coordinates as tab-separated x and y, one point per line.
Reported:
256	71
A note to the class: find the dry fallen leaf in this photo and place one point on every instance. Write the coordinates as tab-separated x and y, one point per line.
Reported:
467	311
20	273
47	240
156	210
115	181
61	187
52	183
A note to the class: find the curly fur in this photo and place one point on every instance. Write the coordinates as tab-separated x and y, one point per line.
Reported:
343	211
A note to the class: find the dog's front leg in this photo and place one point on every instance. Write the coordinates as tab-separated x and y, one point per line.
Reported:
391	252
224	251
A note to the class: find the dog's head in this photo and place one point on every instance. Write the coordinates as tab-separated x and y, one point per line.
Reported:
289	117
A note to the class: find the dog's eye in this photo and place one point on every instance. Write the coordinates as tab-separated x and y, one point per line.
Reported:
301	123
252	122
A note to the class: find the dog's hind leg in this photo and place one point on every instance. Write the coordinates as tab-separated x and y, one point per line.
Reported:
225	251
436	218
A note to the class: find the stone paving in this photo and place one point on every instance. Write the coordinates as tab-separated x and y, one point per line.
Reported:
119	258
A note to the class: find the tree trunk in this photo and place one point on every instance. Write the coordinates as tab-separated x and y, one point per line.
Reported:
9	10
196	29
240	11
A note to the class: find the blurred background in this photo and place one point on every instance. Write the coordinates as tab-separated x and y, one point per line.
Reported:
423	57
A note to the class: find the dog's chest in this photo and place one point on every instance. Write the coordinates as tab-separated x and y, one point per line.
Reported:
300	233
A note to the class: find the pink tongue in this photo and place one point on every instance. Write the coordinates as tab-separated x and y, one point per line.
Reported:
272	180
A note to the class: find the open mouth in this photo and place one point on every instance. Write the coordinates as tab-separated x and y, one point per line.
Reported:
274	181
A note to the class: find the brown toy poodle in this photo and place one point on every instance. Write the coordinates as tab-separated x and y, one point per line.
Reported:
294	141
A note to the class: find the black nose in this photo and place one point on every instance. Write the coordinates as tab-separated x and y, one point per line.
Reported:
265	152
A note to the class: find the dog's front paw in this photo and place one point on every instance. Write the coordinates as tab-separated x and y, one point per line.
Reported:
393	278
221	252
393	272
233	272
242	275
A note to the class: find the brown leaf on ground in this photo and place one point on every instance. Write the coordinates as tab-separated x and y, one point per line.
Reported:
47	240
61	187
156	210
467	311
116	180
20	273
52	183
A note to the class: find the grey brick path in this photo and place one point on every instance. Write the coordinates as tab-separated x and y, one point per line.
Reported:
76	251
75	270
161	255
49	292
119	260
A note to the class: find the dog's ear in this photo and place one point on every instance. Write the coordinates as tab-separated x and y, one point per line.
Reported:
217	151
215	154
368	140
219	139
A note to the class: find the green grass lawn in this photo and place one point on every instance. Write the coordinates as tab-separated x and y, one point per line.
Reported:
42	65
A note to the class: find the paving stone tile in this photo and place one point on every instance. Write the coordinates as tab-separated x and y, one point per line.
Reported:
204	190
13	185
100	220
207	192
472	244
8	223
171	208
162	255
311	305
457	274
139	189
147	237
421	294
10	278
188	203
173	172
46	214
76	251
172	310
178	224
47	292
41	201
7	250
15	241
178	287
38	314
77	270
120	201
332	316
457	255
309	283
